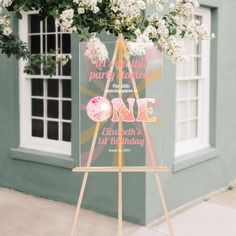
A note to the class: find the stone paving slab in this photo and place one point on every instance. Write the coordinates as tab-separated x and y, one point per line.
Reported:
26	215
146	232
205	219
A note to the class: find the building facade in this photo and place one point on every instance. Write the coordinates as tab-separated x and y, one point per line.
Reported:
39	123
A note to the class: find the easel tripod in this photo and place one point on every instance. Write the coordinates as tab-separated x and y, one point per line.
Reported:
121	53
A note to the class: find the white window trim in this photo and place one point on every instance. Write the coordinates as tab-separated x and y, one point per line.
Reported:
202	141
26	139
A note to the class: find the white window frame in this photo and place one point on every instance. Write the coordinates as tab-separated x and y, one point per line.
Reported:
202	141
26	139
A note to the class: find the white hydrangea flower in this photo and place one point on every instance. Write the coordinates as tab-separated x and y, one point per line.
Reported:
168	44
81	10
157	4
184	8
127	12
157	29
128	15
62	58
7	31
196	31
6	3
153	18
174	50
139	48
171	46
213	36
84	5
3	20
137	32
151	31
96	51
5	24
66	21
172	7
142	43
162	28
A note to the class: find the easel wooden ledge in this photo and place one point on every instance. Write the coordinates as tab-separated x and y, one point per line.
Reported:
121	52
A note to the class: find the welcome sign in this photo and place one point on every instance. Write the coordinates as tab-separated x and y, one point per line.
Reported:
118	96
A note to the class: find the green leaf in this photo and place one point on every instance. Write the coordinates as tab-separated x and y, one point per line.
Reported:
18	15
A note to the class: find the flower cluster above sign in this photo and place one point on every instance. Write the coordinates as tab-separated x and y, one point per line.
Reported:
90	17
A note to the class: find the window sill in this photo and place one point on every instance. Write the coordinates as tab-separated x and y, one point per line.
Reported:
46	158
192	159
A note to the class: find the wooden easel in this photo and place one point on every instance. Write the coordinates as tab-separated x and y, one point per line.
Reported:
122	53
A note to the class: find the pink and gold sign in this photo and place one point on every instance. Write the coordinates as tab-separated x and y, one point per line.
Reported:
120	94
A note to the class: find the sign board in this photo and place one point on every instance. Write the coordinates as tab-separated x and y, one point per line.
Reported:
120	101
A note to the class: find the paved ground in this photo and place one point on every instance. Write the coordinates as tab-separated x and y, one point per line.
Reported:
25	215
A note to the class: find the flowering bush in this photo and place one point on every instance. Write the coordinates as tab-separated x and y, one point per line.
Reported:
86	17
96	50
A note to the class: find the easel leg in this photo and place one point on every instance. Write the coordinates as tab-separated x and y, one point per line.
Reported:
164	205
79	204
120	204
120	146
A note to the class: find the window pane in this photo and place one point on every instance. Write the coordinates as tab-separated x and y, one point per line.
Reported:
34	23
50	24
66	70
193	129
34	44
179	70
53	87
53	69
182	131
182	89
53	110
44	44
189	47
66	89
66	44
67	132
199	18
188	68
193	109
182	111
37	69
37	87
37	107
53	130
51	43
37	128
193	90
66	110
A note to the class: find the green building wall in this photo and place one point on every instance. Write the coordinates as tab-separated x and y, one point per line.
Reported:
192	176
